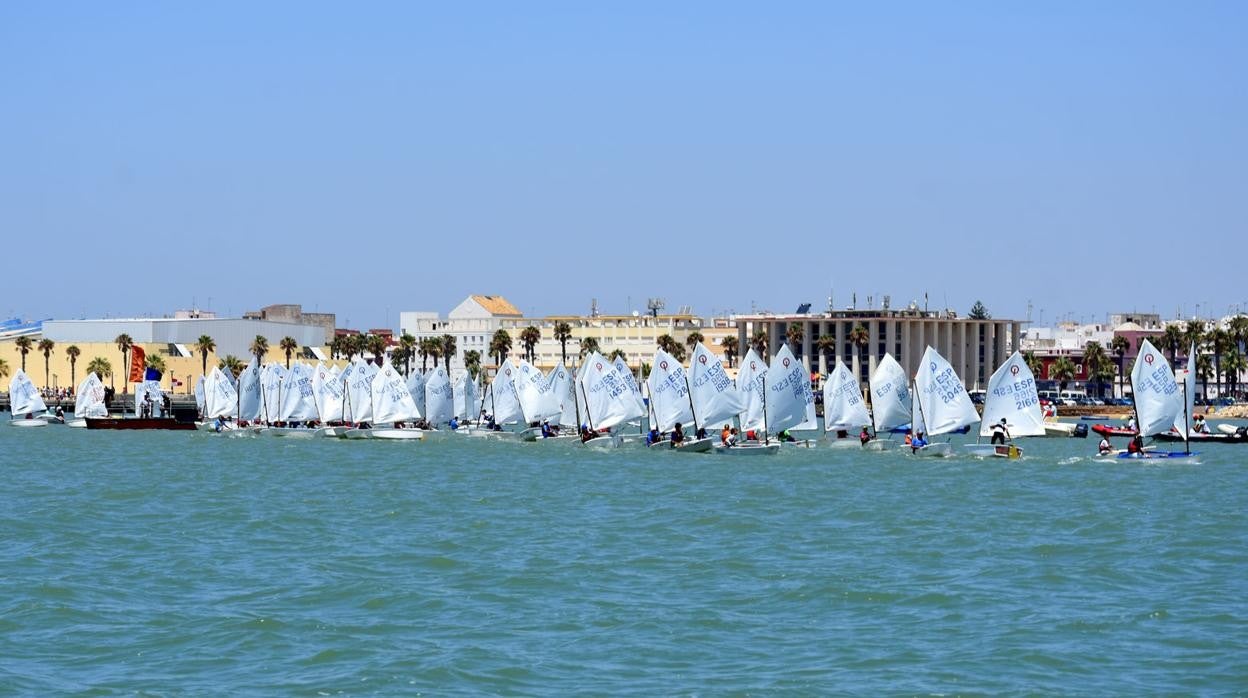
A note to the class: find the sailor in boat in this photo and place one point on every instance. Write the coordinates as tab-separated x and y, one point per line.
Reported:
678	436
917	442
454	423
653	437
732	438
864	437
723	435
1000	433
1136	447
1131	422
1199	426
1104	448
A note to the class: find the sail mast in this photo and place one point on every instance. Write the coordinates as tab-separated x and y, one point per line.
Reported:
692	411
766	436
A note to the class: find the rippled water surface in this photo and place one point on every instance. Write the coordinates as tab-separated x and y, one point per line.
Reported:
176	562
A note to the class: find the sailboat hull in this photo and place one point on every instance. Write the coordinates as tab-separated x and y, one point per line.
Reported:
994	451
28	423
941	450
845	444
877	445
398	434
748	450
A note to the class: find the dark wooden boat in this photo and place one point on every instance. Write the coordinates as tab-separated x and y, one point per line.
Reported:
1175	437
160	423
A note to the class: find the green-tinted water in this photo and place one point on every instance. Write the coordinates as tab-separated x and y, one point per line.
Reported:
175	562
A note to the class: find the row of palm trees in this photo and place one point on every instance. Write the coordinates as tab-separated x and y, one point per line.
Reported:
859	338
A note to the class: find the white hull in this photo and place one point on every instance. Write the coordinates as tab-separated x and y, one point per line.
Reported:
1059	428
994	451
1227	429
398	434
688	446
941	450
331	432
358	434
80	423
291	432
562	438
800	443
28	422
605	442
749	450
845	443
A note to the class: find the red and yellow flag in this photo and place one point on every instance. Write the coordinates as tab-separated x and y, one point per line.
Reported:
138	362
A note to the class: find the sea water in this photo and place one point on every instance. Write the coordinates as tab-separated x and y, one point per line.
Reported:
192	563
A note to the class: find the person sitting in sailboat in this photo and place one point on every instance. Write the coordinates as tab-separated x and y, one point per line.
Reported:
1000	432
678	436
1104	448
1199	426
732	438
1136	446
917	442
723	435
1131	422
864	437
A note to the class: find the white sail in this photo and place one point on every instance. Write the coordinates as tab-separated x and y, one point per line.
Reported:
944	400
1012	396
917	424
416	386
631	381
220	396
669	392
1183	420
788	392
271	390
360	391
890	395
560	382
392	401
89	400
24	397
750	387
503	402
579	406
152	388
201	403
298	398
328	389
843	406
439	403
607	395
250	402
1158	397
537	401
466	401
715	398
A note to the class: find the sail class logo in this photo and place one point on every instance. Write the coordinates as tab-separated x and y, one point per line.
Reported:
786	363
933	366
702	358
1148	359
1014	370
663	365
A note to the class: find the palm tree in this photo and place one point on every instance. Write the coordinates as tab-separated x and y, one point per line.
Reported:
288	345
204	345
859	338
46	346
1234	364
1172	340
424	348
124	342
589	345
1204	366
155	361
1120	346
529	337
731	347
448	350
259	348
73	352
617	354
759	341
435	349
375	344
407	343
1095	360
1194	333
1238	328
794	334
500	345
24	345
667	343
472	362
563	332
4	368
1034	363
233	364
100	367
692	340
350	345
826	345
1219	343
1063	370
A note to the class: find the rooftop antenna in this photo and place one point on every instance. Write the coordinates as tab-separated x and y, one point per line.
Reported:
854	300
654	305
593	307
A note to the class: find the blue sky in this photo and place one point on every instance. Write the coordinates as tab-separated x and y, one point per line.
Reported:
372	158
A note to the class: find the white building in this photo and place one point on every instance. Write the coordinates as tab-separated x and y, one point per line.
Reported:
231	335
472	323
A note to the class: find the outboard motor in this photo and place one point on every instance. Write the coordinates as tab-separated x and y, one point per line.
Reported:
1080	432
1242	432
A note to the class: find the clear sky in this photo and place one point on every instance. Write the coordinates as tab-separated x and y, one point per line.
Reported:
367	158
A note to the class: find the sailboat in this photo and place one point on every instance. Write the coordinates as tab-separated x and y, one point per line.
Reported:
1162	403
88	401
393	405
891	400
464	399
788	399
943	403
24	399
439	400
358	408
199	400
416	386
715	397
609	402
296	403
328	390
843	407
751	388
220	397
536	397
1012	399
671	403
630	380
563	389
